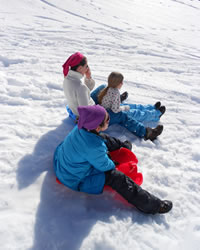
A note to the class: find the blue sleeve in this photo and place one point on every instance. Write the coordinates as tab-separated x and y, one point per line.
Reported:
100	160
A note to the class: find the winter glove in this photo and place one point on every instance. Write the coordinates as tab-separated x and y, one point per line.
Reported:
127	144
125	107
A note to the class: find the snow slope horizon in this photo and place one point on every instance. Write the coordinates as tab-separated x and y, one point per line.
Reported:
155	44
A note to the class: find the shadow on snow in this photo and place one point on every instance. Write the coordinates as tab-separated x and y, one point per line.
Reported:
65	218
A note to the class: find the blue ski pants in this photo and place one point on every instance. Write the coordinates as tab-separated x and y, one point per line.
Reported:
133	118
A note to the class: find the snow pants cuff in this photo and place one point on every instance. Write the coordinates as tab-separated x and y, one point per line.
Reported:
133	193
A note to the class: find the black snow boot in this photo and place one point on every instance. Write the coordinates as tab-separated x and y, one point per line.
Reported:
162	110
124	96
153	133
157	105
165	207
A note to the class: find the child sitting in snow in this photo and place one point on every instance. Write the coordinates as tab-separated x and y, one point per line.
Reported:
81	162
109	98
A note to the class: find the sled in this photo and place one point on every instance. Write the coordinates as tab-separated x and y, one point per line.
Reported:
127	163
71	114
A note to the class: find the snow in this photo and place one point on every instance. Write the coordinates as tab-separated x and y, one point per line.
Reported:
155	44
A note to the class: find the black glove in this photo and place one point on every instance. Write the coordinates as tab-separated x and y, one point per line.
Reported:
127	144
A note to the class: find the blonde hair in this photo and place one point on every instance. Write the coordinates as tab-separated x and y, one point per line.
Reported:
114	80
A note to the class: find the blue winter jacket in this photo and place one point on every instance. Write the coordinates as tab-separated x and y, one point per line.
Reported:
81	160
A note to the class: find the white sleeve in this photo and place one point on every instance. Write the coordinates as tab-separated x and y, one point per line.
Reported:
82	96
125	108
90	83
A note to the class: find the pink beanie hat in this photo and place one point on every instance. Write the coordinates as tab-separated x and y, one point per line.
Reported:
90	117
72	61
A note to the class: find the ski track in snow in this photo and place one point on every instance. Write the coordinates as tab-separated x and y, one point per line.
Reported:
155	44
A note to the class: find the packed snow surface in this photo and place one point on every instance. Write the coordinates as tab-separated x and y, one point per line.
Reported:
156	46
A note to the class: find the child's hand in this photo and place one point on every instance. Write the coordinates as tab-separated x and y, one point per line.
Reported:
88	73
126	107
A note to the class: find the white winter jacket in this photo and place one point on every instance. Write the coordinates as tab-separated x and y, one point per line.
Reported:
77	90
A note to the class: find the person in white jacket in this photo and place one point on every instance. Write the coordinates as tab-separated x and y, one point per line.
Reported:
77	82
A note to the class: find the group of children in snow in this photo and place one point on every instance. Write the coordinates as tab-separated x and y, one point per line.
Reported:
88	160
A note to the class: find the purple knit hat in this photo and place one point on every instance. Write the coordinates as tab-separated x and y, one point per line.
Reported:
90	117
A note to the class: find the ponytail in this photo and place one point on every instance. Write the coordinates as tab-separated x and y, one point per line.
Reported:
114	79
102	93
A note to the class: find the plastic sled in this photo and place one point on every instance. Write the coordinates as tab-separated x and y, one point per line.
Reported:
71	114
128	165
58	181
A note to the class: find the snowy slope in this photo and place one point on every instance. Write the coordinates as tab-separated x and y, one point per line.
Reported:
155	44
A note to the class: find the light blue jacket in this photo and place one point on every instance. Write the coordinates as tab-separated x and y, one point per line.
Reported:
81	160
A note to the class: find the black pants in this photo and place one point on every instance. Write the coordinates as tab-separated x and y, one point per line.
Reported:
133	193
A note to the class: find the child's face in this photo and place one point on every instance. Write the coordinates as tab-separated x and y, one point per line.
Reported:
83	69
